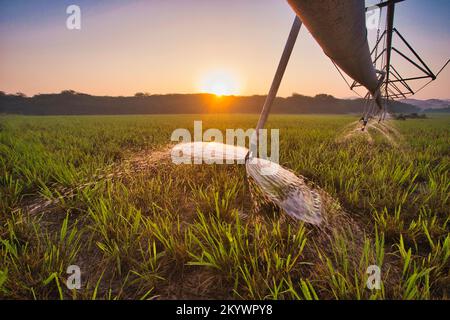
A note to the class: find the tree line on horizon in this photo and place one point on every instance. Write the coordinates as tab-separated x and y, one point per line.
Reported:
69	102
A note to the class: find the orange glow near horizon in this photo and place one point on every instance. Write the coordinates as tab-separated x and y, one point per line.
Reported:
221	83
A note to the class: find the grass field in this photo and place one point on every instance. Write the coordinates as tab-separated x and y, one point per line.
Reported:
97	192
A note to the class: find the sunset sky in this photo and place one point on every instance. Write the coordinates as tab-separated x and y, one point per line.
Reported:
185	46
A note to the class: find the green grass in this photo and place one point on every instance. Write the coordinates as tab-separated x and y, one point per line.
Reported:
170	231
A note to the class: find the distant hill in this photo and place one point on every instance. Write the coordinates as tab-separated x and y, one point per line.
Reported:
442	110
73	103
428	104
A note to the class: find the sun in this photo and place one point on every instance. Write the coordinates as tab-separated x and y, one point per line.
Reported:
220	83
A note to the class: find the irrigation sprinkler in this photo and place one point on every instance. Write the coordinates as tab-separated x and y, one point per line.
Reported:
281	187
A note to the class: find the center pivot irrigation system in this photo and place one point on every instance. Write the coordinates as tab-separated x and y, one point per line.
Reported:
339	26
395	85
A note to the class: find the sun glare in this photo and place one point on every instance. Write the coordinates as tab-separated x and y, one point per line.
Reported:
220	83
